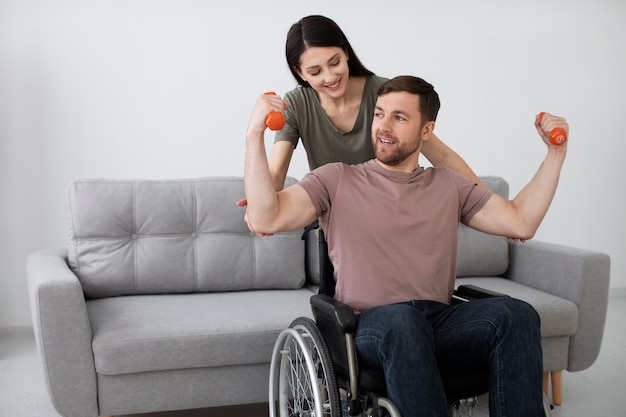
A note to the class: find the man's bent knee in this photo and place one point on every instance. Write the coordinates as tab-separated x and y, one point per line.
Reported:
522	313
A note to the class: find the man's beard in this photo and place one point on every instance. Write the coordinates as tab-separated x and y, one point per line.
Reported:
397	155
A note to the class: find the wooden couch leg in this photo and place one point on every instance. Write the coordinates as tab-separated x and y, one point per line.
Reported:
556	377
557	387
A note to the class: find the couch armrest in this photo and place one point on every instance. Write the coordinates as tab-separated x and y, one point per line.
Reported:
62	332
579	275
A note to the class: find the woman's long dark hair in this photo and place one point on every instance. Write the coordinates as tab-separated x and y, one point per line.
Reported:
319	31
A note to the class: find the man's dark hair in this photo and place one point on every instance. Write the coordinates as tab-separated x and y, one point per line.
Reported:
320	31
429	99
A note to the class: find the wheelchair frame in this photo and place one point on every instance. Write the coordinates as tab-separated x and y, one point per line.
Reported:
303	379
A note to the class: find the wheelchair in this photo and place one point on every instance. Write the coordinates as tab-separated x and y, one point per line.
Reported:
314	370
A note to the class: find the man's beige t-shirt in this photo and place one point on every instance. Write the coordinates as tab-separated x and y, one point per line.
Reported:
392	237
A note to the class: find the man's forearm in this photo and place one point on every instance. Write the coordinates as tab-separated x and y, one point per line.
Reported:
535	198
259	187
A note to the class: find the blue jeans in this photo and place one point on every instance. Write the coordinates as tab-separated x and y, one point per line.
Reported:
407	341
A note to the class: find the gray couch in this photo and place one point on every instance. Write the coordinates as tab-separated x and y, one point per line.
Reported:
163	300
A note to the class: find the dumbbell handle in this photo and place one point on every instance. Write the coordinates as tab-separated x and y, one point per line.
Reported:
558	135
274	119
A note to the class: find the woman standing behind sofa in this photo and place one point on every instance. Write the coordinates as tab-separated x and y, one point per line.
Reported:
332	108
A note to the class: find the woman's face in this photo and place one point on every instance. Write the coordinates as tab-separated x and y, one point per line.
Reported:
325	69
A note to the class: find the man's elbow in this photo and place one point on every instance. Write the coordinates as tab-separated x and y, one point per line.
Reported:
525	236
525	232
260	225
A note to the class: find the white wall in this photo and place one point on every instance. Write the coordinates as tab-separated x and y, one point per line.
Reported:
163	89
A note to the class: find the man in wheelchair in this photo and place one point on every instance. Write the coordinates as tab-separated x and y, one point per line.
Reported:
391	228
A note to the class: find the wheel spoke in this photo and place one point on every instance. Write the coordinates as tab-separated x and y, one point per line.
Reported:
299	389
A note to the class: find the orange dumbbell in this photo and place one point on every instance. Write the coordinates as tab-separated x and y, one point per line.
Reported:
274	119
558	135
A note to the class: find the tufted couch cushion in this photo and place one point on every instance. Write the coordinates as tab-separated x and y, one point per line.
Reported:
173	236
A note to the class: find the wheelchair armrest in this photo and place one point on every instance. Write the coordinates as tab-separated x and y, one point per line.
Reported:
473	292
342	314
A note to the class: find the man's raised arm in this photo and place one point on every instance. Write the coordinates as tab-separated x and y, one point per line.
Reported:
520	218
270	211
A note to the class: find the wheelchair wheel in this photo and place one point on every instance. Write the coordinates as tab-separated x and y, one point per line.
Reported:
479	406
471	407
302	379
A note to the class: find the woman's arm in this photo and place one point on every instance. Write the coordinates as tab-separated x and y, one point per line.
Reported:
280	158
440	155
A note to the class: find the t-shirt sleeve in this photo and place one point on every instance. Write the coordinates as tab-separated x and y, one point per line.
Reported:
471	196
321	184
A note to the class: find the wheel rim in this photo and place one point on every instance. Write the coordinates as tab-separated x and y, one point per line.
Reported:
305	382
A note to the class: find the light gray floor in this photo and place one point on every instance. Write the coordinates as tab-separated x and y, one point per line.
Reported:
597	391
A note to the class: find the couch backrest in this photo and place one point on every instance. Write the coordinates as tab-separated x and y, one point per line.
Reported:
480	254
173	236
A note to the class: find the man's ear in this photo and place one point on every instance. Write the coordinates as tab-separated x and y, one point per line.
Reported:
427	130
